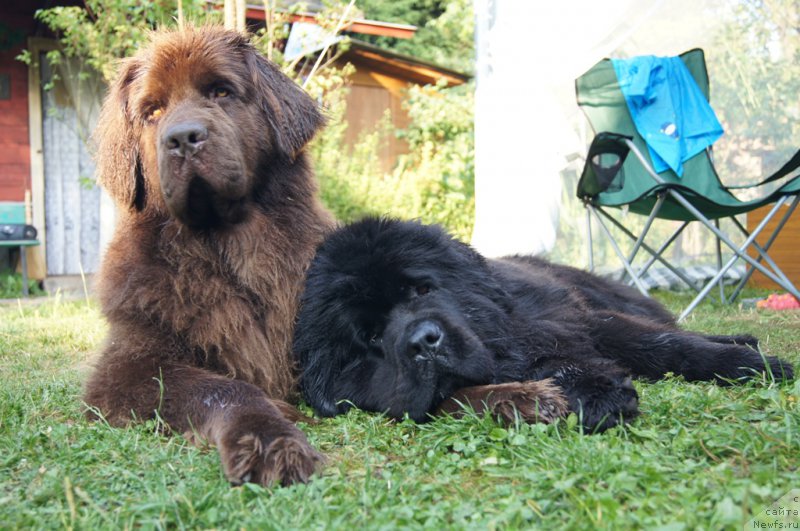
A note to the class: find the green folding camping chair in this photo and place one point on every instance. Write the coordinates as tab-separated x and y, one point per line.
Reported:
613	179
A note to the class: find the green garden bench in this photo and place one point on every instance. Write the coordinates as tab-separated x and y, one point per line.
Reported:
16	235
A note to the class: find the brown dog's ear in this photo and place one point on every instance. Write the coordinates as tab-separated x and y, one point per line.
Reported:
116	142
293	115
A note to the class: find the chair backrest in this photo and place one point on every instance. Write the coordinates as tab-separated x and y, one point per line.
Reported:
601	99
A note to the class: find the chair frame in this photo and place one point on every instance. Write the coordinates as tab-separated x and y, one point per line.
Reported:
771	270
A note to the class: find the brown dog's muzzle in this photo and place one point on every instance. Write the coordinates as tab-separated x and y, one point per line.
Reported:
185	138
204	185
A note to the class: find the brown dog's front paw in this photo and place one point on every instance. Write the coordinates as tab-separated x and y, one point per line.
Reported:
254	458
532	401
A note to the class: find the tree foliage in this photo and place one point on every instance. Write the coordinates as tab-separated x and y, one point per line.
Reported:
445	34
107	30
755	76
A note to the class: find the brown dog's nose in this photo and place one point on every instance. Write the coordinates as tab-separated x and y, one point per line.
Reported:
185	138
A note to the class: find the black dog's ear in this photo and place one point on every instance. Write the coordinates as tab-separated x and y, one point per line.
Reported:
293	115
116	142
319	352
316	383
486	282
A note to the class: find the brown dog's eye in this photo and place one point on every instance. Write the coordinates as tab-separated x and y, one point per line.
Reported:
220	92
154	114
422	289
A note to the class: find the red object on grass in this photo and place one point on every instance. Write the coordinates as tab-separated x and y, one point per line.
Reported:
785	301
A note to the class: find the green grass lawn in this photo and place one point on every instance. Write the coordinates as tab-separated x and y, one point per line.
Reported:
700	456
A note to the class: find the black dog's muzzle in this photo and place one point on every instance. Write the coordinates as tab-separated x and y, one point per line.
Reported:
424	339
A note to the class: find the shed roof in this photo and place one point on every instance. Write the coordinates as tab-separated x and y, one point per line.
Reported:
406	66
358	25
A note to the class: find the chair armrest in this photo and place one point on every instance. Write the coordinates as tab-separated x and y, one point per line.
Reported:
791	165
606	156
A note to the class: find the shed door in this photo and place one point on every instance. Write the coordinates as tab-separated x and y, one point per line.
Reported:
72	199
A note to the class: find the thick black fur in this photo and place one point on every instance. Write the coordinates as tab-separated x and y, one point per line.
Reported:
397	315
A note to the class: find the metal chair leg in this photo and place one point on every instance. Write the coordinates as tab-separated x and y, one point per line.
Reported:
589	237
24	263
636	280
653	253
718	246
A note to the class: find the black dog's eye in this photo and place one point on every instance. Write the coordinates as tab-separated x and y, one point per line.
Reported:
371	335
422	289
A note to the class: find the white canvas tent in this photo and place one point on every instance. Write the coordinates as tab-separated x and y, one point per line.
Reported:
530	133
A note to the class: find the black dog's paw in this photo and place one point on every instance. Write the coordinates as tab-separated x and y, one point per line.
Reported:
603	401
742	363
741	339
780	369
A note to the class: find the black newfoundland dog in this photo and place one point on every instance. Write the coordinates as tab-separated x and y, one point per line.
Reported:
399	317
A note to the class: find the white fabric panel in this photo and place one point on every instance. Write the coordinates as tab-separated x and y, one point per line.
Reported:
528	55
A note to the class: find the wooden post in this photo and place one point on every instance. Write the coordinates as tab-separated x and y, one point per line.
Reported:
230	14
180	15
37	262
28	210
241	15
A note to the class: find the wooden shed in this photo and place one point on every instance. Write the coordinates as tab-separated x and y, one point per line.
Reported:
379	84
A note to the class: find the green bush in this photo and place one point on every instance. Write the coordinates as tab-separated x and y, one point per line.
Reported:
434	182
11	285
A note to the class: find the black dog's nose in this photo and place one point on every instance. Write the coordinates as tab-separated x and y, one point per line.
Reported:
185	138
425	337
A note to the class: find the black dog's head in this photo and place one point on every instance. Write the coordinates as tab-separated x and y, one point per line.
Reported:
395	317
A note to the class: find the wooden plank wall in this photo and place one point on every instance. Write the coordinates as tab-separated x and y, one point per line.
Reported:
72	200
785	250
14	151
371	95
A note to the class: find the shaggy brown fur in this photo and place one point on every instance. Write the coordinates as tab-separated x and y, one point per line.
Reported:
531	401
200	142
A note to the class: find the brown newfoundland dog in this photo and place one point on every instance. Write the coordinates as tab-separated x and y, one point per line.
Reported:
201	143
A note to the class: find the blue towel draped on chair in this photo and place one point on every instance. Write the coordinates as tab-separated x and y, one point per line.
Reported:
668	109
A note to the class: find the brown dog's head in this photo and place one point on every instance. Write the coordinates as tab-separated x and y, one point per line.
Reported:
193	122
